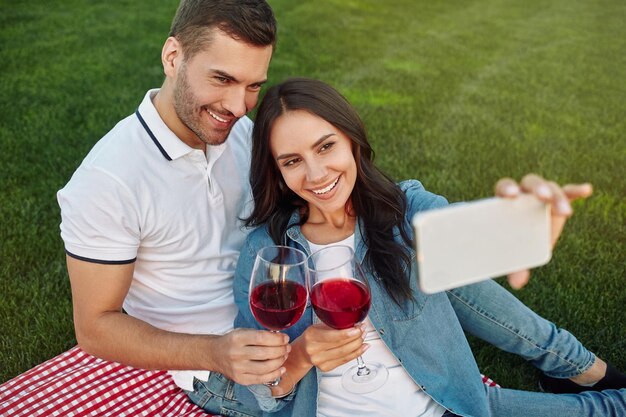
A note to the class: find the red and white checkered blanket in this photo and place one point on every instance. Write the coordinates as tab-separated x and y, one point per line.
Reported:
79	385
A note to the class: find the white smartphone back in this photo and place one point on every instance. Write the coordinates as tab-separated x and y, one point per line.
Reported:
469	242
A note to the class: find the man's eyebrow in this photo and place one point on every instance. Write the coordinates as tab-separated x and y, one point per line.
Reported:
224	74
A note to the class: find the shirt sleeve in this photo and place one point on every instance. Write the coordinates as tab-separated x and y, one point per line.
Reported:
99	218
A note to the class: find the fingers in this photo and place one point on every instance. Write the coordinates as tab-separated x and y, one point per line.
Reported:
327	348
552	192
536	185
247	372
262	353
338	361
332	358
560	203
254	375
540	187
259	337
257	345
507	188
321	333
578	191
251	356
519	279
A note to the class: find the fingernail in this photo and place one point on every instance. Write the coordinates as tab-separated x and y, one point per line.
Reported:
543	191
510	190
283	370
288	348
354	331
365	348
564	208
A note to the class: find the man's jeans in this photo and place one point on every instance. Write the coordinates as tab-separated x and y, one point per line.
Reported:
217	396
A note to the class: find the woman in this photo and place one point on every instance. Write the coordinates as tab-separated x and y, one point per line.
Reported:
314	184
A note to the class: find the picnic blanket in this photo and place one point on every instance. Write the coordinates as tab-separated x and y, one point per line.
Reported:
78	384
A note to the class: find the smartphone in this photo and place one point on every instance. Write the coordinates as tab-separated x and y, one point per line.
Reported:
464	243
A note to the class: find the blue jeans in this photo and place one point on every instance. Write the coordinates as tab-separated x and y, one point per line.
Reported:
217	396
490	312
513	403
493	314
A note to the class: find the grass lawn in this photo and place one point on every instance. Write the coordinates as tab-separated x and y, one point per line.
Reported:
455	93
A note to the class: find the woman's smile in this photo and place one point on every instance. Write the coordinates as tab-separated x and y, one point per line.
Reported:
327	189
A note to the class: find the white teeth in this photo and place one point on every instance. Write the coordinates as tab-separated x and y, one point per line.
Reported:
216	117
326	189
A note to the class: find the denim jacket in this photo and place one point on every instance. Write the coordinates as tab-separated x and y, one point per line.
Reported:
423	333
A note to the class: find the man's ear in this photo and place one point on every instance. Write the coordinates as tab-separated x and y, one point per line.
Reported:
171	55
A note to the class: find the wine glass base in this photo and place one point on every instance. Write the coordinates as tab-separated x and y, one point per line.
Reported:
369	382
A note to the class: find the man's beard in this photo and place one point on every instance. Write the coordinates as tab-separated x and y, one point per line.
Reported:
184	105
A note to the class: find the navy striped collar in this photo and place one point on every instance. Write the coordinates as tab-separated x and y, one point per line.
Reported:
154	139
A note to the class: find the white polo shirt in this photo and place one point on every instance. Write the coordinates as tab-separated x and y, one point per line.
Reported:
142	195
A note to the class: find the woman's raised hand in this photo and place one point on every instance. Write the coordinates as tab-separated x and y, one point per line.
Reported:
559	198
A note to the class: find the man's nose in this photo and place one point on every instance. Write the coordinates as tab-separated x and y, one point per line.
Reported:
235	101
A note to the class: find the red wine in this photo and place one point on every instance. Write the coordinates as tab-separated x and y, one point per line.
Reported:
340	302
278	305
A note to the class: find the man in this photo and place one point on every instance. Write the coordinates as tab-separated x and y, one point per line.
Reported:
150	219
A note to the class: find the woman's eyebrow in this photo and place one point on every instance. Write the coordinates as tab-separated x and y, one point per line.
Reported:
317	143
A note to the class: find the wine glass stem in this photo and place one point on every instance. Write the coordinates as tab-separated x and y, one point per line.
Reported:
362	369
277	380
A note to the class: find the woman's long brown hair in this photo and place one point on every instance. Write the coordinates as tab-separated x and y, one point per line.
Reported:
376	198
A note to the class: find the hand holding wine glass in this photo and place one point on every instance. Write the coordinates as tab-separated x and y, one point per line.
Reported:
278	293
341	298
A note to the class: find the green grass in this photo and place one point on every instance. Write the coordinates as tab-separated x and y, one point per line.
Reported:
455	93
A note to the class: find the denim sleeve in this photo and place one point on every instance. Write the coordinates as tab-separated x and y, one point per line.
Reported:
419	199
262	393
241	285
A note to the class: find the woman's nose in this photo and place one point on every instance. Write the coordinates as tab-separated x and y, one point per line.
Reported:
316	173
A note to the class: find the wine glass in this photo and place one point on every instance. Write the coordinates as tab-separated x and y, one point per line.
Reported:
278	293
341	298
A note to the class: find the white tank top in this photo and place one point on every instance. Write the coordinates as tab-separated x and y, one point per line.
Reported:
399	396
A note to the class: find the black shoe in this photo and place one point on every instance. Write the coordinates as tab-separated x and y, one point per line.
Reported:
613	379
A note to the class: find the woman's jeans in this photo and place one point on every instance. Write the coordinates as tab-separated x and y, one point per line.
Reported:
491	313
513	403
217	397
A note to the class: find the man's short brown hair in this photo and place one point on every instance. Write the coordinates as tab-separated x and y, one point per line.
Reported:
250	21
